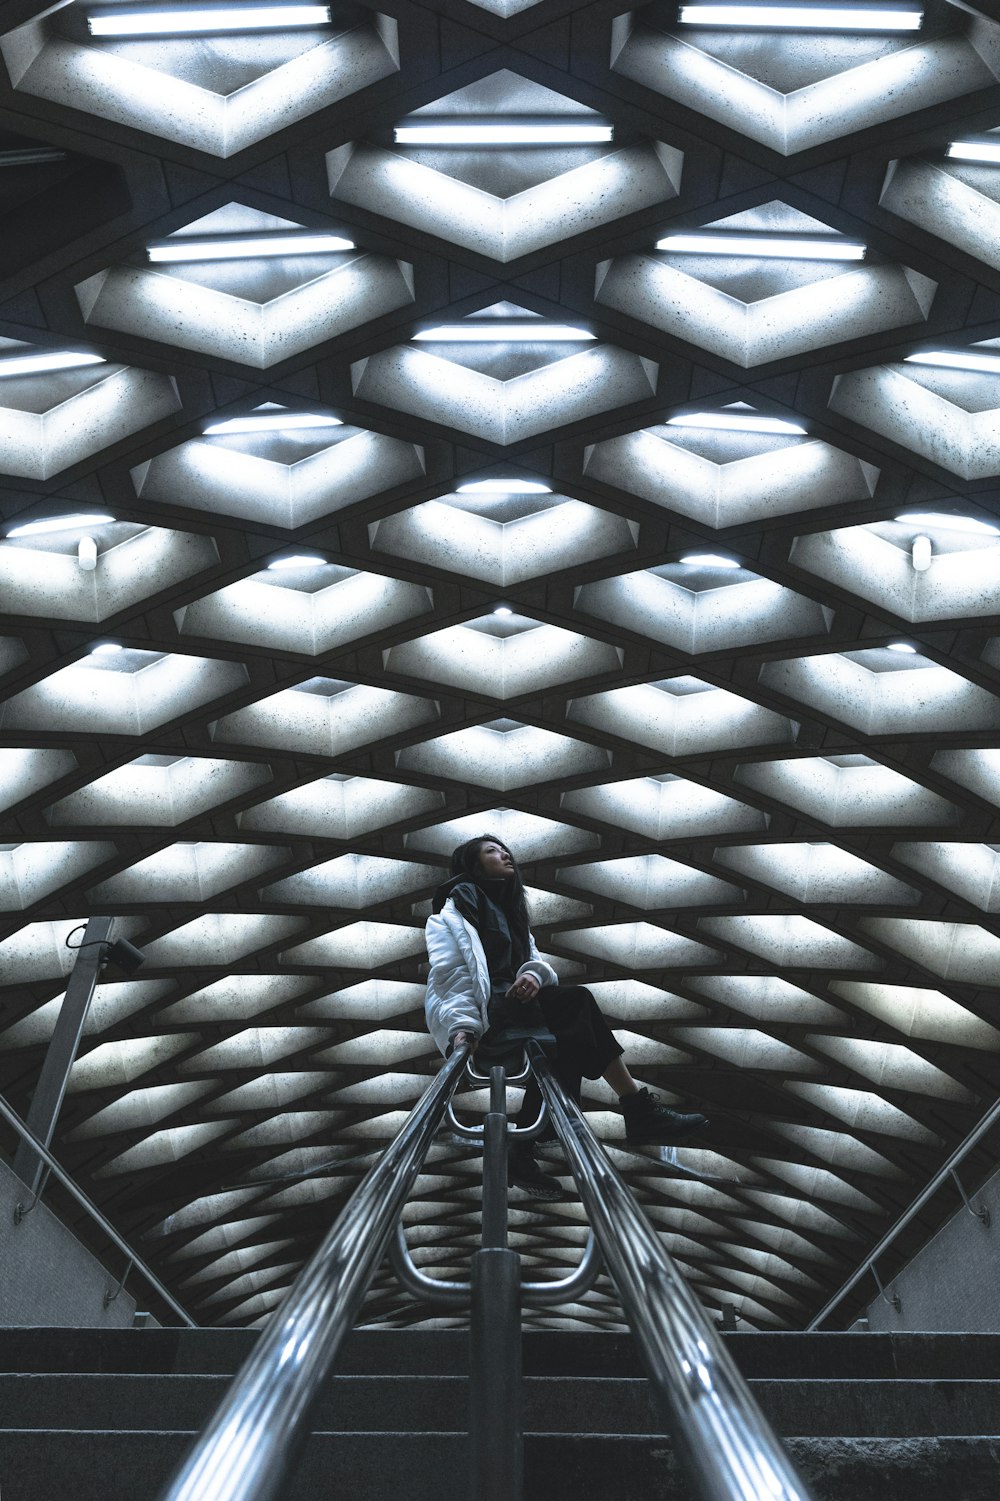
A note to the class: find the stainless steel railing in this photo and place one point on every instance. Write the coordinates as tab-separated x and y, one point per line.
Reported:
948	1169
720	1434
252	1442
79	1197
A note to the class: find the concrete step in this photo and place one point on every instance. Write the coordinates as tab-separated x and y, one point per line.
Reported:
570	1405
546	1353
112	1466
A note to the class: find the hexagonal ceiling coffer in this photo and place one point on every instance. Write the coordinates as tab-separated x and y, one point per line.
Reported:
882	692
55	418
256	311
801	89
502	657
129	693
727	478
503	754
951	417
217	99
504	202
665	806
847	791
750	311
504	393
957	201
682	716
281	478
502	534
41	575
875	561
702	609
158	790
325	717
311	609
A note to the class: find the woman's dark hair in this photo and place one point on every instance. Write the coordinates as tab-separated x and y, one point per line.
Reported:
465	862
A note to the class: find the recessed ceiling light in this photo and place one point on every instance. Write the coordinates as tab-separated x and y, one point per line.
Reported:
72	523
953	523
903	646
974	151
31	156
505	133
957	359
199	19
493	331
737	422
503	487
783	247
298	560
802	17
106	649
53	359
503	610
247	247
270	422
709	560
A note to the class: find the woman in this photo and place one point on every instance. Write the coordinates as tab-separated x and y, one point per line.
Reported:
489	986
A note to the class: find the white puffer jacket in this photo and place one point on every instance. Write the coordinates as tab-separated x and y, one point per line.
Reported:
458	988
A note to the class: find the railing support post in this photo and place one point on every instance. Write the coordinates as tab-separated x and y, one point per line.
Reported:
496	1457
496	1460
46	1102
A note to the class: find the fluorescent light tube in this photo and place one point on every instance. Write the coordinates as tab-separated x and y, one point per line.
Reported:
975	151
200	19
39	364
946	521
270	422
784	247
492	331
504	487
801	17
957	359
58	524
250	247
709	560
751	422
31	156
502	134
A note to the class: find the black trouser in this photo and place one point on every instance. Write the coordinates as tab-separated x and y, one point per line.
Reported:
585	1044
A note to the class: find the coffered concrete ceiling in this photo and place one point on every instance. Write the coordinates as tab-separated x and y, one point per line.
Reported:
671	567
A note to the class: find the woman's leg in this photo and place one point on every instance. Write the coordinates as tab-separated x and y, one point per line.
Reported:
586	1045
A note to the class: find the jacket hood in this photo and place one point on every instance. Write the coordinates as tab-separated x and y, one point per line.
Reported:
444	891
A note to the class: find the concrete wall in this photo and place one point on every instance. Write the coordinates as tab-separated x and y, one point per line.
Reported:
953	1283
47	1276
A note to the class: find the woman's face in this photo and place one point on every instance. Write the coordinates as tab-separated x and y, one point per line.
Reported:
495	862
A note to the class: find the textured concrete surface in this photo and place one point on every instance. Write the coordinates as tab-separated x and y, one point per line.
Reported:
49	1278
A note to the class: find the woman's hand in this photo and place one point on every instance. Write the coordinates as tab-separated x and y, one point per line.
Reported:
524	989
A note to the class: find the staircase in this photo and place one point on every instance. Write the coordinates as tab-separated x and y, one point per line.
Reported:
104	1415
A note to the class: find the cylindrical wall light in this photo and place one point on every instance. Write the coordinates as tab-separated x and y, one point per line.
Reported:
920	553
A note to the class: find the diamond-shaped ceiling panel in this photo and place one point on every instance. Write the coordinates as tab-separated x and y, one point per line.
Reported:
465	422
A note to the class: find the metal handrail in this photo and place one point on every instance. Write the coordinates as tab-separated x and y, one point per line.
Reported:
457	1294
721	1436
947	1170
251	1444
77	1194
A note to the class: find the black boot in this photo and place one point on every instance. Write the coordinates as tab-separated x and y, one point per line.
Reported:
523	1172
648	1122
